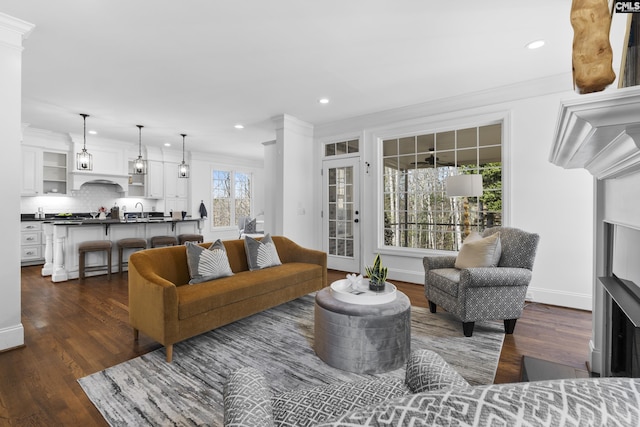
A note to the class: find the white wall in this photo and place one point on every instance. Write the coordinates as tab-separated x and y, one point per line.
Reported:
539	197
11	35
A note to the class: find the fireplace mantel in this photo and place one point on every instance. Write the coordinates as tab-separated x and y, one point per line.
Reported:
600	133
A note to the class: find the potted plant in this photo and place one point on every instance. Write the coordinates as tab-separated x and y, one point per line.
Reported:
377	275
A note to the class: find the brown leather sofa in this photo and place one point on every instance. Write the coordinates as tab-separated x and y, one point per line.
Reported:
165	307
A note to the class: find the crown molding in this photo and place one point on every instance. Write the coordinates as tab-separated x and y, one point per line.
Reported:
600	133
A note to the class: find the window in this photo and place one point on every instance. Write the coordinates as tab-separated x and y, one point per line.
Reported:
342	147
417	212
231	197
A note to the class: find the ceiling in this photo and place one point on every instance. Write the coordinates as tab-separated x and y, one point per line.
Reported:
202	66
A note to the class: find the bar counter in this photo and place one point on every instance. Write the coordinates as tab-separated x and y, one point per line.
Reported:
62	237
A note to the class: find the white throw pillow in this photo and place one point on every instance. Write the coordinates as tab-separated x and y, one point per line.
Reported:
477	251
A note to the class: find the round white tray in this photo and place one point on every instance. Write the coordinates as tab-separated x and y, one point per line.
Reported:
343	291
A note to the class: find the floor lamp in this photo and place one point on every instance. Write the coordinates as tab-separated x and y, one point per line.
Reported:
464	186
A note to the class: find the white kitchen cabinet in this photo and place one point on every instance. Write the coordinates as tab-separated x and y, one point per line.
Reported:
31	182
43	172
155	179
174	187
54	172
31	243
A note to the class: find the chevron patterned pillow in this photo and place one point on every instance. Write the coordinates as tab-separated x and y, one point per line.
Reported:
207	263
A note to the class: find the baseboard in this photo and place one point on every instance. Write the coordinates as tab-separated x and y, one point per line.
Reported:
11	337
563	299
406	276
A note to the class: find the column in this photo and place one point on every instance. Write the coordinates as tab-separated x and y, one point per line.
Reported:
12	32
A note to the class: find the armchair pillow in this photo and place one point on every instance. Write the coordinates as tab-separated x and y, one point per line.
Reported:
207	263
250	226
479	252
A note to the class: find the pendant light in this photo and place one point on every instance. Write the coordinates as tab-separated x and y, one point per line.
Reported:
183	168
84	160
140	165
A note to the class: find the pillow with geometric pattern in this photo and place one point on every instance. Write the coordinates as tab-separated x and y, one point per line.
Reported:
207	263
479	252
261	253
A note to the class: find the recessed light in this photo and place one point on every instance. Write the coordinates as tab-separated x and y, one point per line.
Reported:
239	126
166	144
93	132
323	100
535	44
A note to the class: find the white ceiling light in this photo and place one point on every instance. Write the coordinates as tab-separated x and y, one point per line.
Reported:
166	144
536	44
323	100
239	126
93	132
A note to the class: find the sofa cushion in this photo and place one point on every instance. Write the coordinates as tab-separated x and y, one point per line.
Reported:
479	252
207	263
261	253
206	296
301	408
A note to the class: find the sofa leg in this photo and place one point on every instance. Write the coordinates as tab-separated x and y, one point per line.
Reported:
136	334
467	328
509	325
169	350
432	307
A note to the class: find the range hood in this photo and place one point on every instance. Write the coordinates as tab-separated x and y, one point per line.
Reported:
79	178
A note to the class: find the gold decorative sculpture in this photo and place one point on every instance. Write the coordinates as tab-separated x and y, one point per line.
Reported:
592	54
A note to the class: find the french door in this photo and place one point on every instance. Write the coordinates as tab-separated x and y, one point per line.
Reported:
341	214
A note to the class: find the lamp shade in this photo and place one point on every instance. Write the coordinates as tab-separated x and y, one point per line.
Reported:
464	185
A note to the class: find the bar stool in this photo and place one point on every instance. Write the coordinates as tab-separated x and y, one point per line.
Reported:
129	243
163	241
94	246
183	238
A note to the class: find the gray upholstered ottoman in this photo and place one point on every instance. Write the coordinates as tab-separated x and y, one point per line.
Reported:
362	338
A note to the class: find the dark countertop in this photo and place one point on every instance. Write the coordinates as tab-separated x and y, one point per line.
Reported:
59	221
84	216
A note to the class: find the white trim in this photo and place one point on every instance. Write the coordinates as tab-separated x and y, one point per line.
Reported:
565	299
437	124
12	337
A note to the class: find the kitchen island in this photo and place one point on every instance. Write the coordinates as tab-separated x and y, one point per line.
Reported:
62	238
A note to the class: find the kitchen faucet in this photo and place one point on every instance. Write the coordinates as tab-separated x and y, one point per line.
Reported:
141	209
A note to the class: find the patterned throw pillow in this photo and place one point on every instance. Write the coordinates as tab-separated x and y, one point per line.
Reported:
250	226
479	252
207	263
261	253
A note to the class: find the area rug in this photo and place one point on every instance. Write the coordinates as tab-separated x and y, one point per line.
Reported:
147	391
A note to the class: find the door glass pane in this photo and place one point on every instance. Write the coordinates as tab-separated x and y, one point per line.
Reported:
341	211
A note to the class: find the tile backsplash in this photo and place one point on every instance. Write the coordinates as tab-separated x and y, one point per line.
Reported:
88	198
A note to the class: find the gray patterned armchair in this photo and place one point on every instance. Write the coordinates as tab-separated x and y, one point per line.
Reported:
484	293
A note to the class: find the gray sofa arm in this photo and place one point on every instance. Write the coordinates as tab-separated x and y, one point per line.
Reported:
428	371
435	262
247	400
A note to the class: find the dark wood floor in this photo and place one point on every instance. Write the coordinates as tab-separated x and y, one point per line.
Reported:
73	330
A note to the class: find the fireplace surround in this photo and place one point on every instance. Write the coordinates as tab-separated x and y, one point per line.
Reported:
601	133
